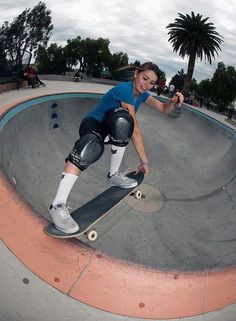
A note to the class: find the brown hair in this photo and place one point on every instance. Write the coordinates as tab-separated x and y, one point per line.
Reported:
145	66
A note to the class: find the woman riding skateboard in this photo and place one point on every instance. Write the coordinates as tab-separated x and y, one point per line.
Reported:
113	119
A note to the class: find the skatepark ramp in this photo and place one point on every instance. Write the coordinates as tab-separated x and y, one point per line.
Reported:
186	220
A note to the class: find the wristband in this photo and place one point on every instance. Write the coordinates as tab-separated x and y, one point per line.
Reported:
143	162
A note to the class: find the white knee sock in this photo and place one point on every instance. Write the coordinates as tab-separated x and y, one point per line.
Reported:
67	182
117	154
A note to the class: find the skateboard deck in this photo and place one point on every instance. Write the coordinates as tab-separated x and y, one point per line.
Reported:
94	210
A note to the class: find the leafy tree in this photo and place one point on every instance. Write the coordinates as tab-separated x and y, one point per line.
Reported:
193	85
162	75
204	88
2	52
224	86
42	60
194	37
136	63
51	60
74	52
29	30
117	60
178	80
92	55
3	60
95	55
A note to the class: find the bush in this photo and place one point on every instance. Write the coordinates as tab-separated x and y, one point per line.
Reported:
6	80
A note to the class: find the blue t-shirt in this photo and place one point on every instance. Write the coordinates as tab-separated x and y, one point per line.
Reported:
123	92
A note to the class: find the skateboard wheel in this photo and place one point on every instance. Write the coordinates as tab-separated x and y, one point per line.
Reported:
92	235
138	194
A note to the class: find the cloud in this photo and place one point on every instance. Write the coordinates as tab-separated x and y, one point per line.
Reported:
136	27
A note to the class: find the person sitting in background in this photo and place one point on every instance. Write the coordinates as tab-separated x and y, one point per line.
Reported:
33	75
25	75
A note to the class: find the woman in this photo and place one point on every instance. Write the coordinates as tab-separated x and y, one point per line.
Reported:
113	119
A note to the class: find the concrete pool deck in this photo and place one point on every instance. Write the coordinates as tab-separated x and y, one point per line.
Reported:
79	271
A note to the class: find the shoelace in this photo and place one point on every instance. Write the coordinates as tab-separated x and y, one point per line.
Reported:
124	174
65	212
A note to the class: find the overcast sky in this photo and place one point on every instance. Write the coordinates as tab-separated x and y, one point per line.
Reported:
137	28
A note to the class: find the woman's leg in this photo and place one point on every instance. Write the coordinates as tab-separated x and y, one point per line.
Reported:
68	179
59	212
86	150
120	128
117	154
115	177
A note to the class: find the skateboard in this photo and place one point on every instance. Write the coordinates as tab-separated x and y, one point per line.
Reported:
96	209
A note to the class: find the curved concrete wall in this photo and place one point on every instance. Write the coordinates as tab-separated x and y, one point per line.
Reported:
184	249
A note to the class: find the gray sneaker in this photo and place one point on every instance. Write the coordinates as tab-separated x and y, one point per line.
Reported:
121	180
62	220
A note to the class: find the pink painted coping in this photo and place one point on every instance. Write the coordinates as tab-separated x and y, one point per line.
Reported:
102	281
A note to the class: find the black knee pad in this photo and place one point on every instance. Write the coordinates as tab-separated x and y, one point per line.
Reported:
120	126
87	150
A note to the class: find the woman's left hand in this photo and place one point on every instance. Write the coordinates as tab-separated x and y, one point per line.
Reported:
178	98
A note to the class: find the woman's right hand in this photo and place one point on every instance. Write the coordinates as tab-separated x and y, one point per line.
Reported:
143	168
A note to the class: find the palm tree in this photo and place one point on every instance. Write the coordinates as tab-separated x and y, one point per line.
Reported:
192	36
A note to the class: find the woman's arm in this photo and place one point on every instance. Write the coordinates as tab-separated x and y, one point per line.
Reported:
166	108
137	140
